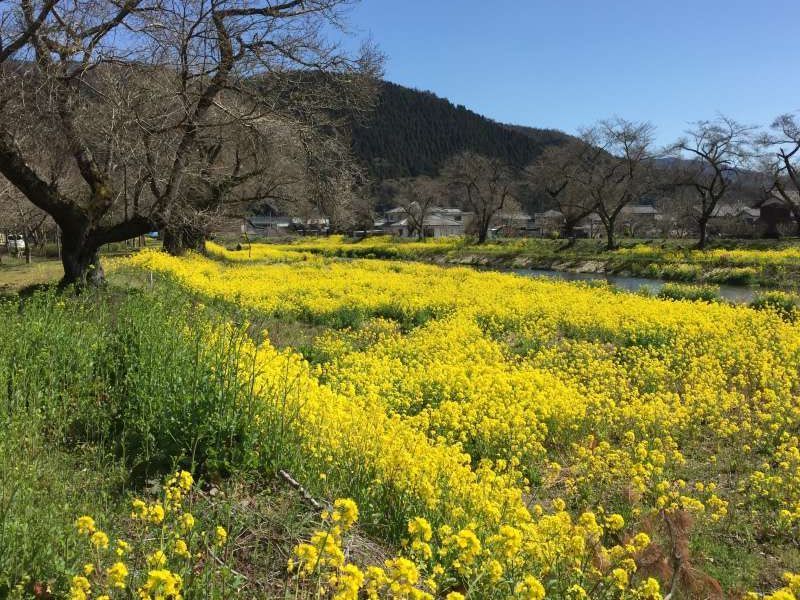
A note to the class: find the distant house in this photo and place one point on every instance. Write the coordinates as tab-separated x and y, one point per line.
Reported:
640	220
548	223
633	220
513	224
775	218
268	222
735	219
439	222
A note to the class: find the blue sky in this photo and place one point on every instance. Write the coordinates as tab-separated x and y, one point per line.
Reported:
568	63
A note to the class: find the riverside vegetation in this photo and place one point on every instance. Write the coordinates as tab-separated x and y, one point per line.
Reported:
735	262
477	434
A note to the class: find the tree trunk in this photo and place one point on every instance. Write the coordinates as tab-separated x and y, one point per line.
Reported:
611	240
27	239
483	232
81	265
702	225
179	240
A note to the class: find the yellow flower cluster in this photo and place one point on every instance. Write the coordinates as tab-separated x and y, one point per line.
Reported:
161	560
524	428
109	578
502	564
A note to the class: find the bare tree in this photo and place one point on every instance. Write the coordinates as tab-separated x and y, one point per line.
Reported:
616	170
157	127
417	197
717	151
781	163
556	172
483	186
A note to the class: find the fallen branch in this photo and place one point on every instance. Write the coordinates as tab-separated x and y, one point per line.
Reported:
303	492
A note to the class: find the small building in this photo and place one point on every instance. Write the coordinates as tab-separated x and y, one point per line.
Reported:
513	224
439	222
434	226
735	219
775	218
266	221
548	223
639	220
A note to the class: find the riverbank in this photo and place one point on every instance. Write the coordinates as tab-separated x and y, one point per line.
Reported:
769	264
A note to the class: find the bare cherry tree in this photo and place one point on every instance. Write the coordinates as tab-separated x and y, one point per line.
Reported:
482	185
156	110
417	197
556	172
615	170
780	163
717	151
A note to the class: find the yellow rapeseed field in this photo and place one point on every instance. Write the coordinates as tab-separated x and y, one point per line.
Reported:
520	437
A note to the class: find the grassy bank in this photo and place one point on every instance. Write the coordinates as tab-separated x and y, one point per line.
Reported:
16	274
103	396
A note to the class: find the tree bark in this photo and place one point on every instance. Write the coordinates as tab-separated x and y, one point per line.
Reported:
80	244
81	264
702	225
483	231
181	239
611	240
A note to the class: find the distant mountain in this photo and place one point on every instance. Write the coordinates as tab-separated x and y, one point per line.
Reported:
413	133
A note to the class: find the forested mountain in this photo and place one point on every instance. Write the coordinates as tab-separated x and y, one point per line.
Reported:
413	133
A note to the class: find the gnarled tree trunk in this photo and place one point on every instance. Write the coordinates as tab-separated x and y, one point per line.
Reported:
79	256
177	240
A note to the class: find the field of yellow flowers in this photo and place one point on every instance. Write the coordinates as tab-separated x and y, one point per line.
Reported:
736	262
514	437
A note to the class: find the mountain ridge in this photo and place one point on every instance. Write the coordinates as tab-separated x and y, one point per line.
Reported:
413	132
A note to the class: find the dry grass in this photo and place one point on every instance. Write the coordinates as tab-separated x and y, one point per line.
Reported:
16	275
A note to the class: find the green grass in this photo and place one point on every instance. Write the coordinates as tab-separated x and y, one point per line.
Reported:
99	395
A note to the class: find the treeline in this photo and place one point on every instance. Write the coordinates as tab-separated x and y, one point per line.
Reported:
413	133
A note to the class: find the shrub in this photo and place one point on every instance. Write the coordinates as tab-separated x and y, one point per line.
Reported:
733	275
677	291
784	304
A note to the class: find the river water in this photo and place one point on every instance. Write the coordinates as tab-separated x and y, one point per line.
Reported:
732	293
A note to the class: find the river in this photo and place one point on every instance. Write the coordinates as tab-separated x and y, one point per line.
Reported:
732	293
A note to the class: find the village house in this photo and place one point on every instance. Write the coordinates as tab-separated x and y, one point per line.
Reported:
548	223
513	224
735	219
438	222
640	220
266	221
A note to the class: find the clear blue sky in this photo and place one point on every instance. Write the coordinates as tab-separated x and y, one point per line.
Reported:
567	63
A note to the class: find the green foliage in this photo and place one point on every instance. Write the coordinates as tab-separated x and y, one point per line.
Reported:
42	488
103	392
129	373
783	303
677	291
